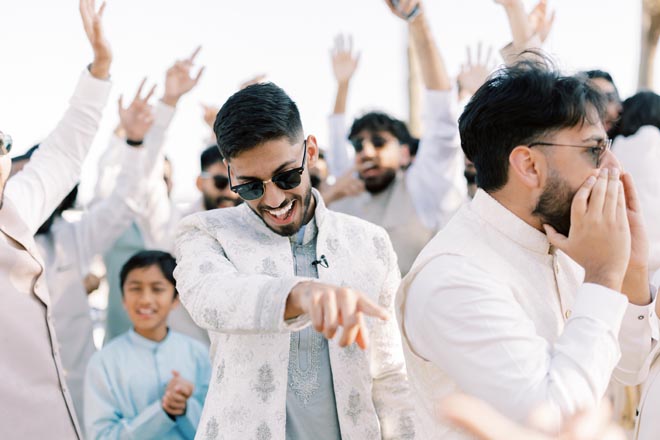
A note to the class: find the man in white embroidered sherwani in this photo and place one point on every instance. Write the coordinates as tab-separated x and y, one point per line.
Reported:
520	298
36	403
255	276
412	205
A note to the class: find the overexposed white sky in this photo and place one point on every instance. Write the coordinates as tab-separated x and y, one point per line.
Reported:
44	48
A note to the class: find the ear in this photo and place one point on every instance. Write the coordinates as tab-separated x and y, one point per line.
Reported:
198	183
175	301
312	151
528	166
405	156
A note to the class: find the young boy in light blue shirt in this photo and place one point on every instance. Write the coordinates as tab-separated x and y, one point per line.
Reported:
150	382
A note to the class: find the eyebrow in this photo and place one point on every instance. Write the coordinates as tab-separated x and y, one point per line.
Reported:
596	137
277	170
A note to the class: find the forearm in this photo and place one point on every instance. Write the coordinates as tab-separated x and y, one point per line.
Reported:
434	71
518	23
341	98
636	286
55	168
218	297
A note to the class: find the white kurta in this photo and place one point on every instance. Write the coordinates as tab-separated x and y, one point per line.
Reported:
234	276
491	310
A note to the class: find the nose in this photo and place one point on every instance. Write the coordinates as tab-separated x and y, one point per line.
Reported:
273	196
368	150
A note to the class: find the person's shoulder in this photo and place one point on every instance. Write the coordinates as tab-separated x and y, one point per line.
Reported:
213	220
109	352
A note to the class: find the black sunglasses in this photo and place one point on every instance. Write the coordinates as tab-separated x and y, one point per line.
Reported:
376	141
285	180
221	182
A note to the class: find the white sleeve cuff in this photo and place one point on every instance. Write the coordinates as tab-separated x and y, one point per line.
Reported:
598	302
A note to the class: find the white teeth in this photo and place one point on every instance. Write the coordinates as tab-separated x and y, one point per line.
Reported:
283	212
146	311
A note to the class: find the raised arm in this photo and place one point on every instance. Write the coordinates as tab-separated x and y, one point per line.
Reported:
114	214
527	31
434	71
344	63
160	217
435	180
55	168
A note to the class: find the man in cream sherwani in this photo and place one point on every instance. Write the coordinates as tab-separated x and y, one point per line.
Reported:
255	276
537	291
36	403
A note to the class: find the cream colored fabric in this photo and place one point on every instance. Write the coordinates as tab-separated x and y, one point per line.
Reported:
491	310
36	403
234	276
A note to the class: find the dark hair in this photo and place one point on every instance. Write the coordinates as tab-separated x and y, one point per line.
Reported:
643	108
378	121
163	260
25	156
596	73
519	105
259	113
209	157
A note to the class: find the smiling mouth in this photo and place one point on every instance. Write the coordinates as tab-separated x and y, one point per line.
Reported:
145	312
282	215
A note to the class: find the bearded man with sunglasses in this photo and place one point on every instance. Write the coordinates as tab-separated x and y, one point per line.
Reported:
257	275
413	204
536	292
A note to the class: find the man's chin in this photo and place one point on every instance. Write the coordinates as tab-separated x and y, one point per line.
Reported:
377	184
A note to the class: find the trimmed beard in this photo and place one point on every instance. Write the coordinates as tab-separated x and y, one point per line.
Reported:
378	184
291	229
554	204
214	202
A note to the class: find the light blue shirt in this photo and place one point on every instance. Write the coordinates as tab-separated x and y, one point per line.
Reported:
125	383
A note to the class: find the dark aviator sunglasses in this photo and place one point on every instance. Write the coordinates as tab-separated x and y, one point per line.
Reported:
285	180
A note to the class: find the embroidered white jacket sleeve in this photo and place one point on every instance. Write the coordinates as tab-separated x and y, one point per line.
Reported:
55	168
339	155
390	390
472	327
435	179
221	299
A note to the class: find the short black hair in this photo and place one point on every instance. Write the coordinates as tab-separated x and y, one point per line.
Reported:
209	157
163	260
643	108
374	122
256	114
519	105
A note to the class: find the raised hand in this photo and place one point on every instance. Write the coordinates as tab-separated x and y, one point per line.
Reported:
210	112
138	117
474	73
330	307
539	21
599	239
344	60
179	79
93	25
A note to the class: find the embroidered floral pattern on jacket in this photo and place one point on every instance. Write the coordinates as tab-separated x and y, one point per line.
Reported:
212	429
354	409
265	383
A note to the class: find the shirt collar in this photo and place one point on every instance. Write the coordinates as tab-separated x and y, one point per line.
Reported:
509	224
143	342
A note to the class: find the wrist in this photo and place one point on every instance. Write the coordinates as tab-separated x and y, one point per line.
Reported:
172	101
605	279
294	303
136	141
636	286
100	69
